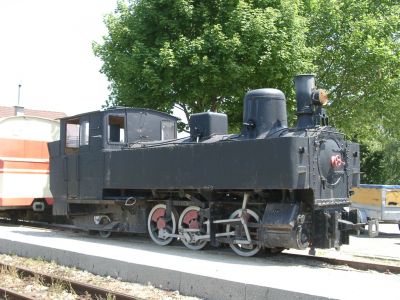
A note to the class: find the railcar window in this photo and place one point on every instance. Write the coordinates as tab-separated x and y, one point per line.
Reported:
168	130
84	134
116	129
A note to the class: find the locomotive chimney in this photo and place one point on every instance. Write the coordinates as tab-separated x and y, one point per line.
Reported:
304	84
309	102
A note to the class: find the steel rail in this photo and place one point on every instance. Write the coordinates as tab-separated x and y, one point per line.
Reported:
12	295
358	265
73	285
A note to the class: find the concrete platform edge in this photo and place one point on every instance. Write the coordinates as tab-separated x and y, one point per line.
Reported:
186	283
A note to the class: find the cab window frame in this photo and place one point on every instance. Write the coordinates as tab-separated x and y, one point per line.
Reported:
118	120
75	139
164	123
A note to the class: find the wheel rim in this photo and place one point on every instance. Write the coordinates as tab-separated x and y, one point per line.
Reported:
242	249
190	219
156	222
104	221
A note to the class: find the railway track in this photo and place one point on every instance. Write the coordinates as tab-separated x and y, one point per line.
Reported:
12	295
358	265
79	288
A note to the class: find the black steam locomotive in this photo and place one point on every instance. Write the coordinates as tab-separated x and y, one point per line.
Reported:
274	187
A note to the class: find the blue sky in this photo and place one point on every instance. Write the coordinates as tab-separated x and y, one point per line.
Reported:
46	46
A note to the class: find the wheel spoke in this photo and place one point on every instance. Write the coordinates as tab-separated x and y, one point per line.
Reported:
190	219
244	249
155	224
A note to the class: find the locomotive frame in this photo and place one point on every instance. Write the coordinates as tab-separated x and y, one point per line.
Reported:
274	187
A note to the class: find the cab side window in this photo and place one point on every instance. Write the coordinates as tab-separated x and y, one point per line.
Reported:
116	129
72	136
168	130
77	135
84	133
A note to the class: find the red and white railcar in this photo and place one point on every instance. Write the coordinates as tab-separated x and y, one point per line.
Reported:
24	164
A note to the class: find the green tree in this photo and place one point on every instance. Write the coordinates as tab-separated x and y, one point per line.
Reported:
202	55
357	57
391	162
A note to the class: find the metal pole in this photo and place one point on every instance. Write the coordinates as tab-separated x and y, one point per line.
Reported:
19	92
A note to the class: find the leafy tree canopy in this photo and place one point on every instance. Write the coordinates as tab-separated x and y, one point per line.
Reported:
357	57
202	55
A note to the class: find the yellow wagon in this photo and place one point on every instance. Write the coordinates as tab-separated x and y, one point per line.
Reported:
377	203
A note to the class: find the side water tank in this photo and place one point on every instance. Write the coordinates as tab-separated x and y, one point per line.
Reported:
203	125
264	113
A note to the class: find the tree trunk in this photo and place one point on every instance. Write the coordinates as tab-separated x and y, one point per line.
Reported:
214	104
185	110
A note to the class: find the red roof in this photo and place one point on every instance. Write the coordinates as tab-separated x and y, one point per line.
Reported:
6	111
